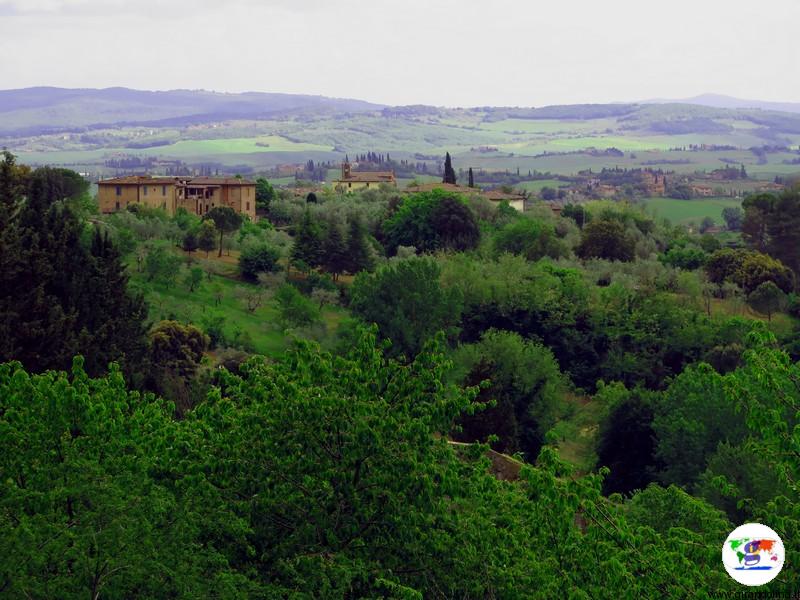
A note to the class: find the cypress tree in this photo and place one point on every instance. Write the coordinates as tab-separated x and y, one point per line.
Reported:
471	178
449	172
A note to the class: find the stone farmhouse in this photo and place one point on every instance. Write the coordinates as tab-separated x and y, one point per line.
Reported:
197	195
351	181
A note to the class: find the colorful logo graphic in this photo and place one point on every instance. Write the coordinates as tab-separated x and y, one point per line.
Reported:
753	554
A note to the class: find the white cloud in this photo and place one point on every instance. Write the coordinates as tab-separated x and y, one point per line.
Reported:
467	52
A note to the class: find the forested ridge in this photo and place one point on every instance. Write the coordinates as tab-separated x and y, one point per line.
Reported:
199	408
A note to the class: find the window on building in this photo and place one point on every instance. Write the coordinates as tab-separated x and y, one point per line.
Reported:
248	206
145	190
119	190
117	207
163	190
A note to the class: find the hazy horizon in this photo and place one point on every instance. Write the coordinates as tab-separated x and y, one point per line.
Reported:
448	54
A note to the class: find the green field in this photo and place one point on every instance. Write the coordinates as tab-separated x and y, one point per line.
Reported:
690	211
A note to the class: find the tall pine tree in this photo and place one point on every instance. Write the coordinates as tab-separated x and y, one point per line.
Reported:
334	251
307	248
471	178
359	257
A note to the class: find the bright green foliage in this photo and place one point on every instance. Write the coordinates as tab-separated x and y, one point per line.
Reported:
316	476
749	481
407	303
692	418
605	239
258	258
530	238
766	388
664	508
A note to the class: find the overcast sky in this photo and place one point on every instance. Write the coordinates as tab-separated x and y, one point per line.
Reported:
443	52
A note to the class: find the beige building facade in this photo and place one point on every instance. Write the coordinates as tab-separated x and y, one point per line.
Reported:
197	195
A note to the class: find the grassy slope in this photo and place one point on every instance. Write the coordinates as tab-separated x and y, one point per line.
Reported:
178	302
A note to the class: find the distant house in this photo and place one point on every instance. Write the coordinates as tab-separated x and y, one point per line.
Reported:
196	195
770	186
351	181
654	183
702	190
514	199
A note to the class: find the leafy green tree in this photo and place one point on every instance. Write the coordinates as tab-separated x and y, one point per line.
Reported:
258	258
576	212
194	278
530	238
190	242
688	257
757	211
605	239
307	246
225	219
738	480
265	194
663	508
207	237
175	354
431	221
526	389
294	309
757	268
767	299
161	265
723	265
455	225
407	302
692	418
733	216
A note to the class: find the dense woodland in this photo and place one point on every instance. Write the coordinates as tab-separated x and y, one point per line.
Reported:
292	438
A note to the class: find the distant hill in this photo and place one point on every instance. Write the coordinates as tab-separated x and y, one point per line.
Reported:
30	111
720	101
